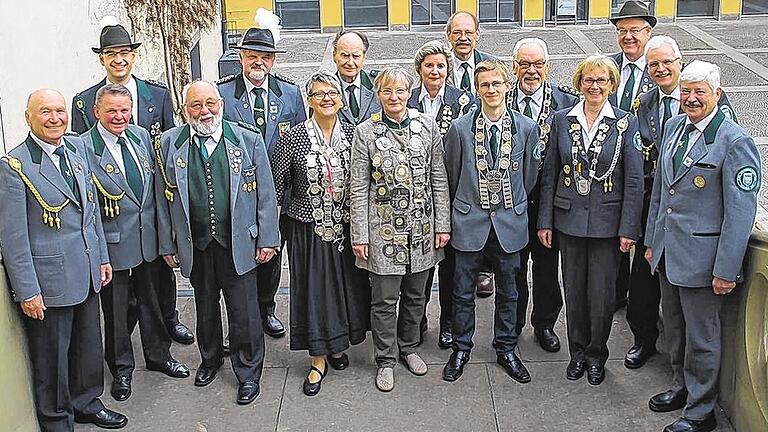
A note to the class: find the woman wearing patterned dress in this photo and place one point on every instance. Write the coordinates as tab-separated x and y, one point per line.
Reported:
400	215
330	296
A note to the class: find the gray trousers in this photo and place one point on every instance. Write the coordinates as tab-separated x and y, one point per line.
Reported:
692	333
396	330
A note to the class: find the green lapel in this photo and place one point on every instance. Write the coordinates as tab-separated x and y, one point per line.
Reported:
275	87
711	130
98	141
183	136
143	91
229	133
35	151
365	80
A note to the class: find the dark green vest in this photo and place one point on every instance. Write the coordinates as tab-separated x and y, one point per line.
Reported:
209	216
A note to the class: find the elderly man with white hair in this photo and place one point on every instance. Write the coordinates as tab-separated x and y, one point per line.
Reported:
217	220
701	215
654	109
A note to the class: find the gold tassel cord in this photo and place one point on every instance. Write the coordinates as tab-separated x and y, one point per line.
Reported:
111	201
50	212
161	166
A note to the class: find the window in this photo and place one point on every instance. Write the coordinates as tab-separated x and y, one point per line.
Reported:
365	13
298	14
426	12
499	11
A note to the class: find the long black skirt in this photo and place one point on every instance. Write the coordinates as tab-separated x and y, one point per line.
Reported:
330	296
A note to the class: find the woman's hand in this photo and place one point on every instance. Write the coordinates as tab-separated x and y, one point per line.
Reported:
360	251
441	240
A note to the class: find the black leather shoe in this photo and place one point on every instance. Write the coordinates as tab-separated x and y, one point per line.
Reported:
670	400
575	370
205	376
514	367
685	425
339	363
172	368
247	392
445	340
485	284
548	339
455	366
313	388
105	419
181	334
121	388
272	326
596	374
638	355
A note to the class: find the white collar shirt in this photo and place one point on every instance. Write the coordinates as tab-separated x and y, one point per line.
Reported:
674	105
537	99
489	123
701	125
110	141
588	134
625	70
357	82
211	141
431	106
49	149
458	71
249	86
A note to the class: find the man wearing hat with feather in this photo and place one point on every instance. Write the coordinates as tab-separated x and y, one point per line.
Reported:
274	105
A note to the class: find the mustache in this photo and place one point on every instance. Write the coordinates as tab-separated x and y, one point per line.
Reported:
693	104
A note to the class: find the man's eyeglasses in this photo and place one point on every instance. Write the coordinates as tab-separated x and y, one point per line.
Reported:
526	65
667	63
485	86
460	33
112	54
210	104
634	31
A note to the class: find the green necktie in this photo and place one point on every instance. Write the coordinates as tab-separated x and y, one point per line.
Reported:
203	150
66	172
258	111
132	172
527	110
466	83
626	97
677	158
494	143
354	108
667	112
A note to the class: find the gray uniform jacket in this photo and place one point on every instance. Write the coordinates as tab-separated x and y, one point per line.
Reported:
368	102
285	110
601	213
253	211
701	218
471	223
130	222
646	83
406	181
56	253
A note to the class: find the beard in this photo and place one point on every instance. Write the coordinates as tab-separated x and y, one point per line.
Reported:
257	75
206	128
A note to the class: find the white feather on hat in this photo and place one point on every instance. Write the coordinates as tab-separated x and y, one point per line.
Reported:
266	19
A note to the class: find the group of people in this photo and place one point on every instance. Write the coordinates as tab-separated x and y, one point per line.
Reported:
470	170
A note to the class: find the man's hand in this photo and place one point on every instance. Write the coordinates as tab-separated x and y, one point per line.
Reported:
649	256
360	251
171	260
34	308
441	239
106	274
264	254
625	244
545	237
721	286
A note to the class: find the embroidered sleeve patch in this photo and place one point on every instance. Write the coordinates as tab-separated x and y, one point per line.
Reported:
747	179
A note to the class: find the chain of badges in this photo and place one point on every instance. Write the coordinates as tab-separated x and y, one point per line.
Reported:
401	179
444	119
50	212
544	127
494	183
328	177
584	184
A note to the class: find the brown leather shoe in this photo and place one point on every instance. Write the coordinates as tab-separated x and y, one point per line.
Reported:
485	284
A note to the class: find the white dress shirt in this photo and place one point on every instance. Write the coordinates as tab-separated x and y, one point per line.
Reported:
674	105
211	141
431	106
537	100
696	133
110	140
499	129
249	86
587	133
49	149
344	85
625	69
458	71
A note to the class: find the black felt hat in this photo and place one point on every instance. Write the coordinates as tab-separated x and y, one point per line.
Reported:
114	36
634	9
256	39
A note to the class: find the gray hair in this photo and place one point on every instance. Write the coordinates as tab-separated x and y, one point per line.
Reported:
112	90
449	24
433	47
185	90
531	41
702	71
358	33
393	74
322	77
660	41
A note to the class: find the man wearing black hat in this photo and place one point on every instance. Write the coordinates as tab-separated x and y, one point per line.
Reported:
153	111
274	105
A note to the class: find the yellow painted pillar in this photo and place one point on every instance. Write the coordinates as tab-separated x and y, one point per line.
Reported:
533	10
241	12
666	8
467	6
730	8
331	16
599	9
399	12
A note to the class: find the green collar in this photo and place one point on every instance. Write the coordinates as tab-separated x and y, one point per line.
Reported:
711	130
396	126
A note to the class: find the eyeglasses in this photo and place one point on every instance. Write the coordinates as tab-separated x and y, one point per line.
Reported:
526	65
388	92
320	95
460	33
210	104
634	31
601	82
485	86
112	54
667	63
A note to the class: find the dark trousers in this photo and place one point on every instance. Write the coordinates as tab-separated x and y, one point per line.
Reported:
213	272
268	274
139	283
623	279
644	295
445	285
166	295
67	369
589	277
547	296
692	331
505	266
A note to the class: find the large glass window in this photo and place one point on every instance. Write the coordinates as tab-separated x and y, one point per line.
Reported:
566	11
687	8
425	12
298	14
499	11
365	13
754	7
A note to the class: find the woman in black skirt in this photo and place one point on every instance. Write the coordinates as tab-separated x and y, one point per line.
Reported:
330	297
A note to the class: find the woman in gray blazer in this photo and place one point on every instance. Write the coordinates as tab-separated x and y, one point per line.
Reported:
591	193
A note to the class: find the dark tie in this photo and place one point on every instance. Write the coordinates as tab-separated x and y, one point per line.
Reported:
132	172
258	111
203	150
466	83
494	142
677	158
527	110
65	171
354	108
667	100
626	97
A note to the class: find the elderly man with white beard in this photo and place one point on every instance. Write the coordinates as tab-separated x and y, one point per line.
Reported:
218	222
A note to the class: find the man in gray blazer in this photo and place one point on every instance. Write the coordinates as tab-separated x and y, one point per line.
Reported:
56	258
118	153
463	32
349	50
273	104
217	219
704	200
492	165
